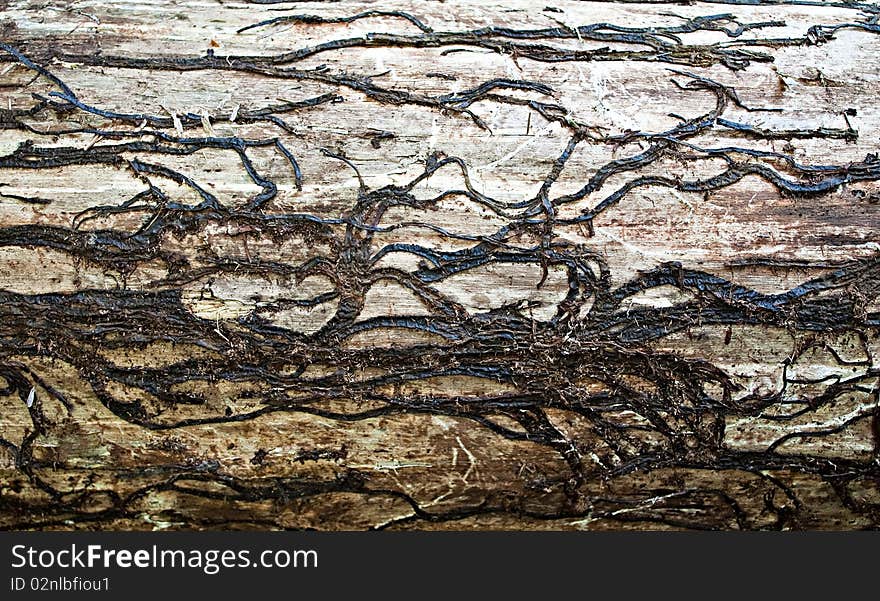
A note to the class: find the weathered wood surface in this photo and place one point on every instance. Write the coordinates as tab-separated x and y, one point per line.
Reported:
608	265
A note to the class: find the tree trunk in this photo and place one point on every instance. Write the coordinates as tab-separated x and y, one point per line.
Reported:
461	265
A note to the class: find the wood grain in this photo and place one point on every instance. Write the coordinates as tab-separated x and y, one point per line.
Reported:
594	265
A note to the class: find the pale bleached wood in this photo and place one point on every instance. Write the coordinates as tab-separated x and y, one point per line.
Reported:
418	464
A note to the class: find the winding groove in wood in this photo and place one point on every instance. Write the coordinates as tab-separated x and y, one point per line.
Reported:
613	429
